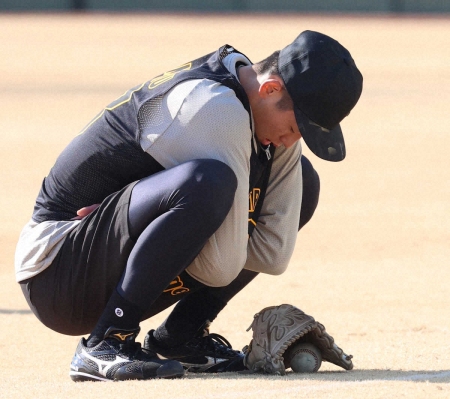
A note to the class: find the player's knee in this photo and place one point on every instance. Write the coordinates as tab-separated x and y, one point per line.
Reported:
311	191
215	185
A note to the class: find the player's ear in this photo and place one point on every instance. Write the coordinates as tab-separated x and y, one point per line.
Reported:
270	87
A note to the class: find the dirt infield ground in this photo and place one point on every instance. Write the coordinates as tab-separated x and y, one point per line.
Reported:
373	264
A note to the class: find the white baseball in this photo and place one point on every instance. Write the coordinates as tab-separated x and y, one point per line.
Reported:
303	357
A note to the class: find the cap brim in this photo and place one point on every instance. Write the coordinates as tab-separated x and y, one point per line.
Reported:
326	144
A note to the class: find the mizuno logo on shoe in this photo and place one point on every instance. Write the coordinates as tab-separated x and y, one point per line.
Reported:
121	336
103	365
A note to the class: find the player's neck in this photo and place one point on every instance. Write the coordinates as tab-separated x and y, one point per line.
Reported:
249	80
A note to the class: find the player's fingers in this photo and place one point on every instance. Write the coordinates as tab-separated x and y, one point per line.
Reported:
85	211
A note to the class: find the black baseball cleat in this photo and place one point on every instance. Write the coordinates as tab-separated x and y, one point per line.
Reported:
205	353
118	357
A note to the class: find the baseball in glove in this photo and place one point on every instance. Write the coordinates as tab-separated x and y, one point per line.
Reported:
276	328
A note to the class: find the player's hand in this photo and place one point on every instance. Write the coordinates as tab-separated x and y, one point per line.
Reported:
83	212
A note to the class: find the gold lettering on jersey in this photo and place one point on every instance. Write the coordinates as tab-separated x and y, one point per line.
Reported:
166	76
176	287
253	199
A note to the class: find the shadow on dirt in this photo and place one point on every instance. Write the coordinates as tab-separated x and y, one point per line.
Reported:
356	376
15	311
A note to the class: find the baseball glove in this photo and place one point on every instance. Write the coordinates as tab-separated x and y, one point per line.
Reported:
276	328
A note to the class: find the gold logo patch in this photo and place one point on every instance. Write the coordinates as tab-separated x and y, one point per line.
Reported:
176	287
121	336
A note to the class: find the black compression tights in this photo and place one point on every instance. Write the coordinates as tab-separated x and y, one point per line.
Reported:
171	216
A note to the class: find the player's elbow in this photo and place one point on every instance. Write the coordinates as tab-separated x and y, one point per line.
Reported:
274	262
278	269
274	268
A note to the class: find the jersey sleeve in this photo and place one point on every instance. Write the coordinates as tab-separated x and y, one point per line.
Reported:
203	119
273	240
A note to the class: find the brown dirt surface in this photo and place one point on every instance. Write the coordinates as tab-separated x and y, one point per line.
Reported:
371	265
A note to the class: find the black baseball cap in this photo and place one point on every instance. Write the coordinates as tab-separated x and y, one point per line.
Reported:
324	84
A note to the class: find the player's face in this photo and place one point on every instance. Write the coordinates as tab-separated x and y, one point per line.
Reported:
277	126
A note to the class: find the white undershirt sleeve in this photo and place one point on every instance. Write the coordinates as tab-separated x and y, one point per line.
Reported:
273	240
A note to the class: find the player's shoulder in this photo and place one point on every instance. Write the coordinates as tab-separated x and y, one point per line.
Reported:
198	93
208	98
211	90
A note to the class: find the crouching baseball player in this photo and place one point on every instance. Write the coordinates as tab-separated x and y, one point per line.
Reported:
148	206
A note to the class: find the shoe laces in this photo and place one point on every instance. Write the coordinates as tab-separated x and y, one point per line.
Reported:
216	343
129	349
